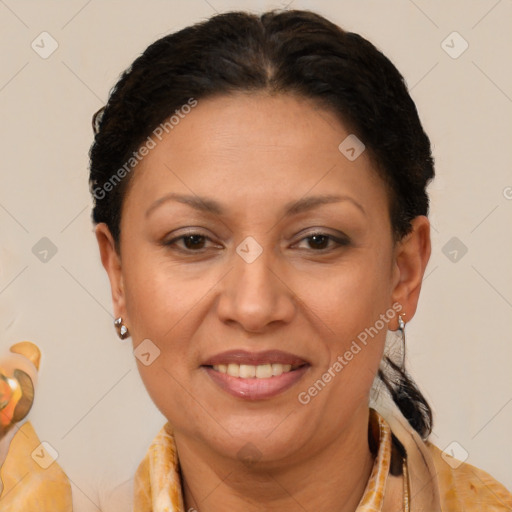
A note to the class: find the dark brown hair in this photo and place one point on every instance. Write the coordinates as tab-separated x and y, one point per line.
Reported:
294	52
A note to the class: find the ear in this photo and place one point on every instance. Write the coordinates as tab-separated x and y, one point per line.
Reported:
410	260
111	261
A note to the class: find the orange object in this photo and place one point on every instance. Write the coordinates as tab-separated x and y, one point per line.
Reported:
18	376
30	478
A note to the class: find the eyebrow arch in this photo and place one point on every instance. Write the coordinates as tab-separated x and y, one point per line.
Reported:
209	205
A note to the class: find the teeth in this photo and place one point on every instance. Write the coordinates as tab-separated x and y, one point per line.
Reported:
249	371
232	369
277	369
263	371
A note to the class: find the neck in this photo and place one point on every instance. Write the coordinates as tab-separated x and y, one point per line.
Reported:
332	479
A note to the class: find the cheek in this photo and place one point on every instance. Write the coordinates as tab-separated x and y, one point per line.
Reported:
351	304
353	297
164	306
157	297
161	308
353	344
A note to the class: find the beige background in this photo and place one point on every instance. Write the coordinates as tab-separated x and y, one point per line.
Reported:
91	405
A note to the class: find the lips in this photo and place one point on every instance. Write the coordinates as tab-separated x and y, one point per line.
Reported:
255	375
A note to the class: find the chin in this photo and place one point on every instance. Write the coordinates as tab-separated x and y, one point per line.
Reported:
269	436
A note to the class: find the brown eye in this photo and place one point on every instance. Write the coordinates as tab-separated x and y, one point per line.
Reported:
191	242
319	242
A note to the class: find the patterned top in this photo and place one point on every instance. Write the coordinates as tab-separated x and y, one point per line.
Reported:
429	483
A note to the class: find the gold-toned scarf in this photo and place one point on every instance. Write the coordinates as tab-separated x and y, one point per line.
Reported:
430	484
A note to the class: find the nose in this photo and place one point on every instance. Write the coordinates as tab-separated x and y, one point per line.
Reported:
255	293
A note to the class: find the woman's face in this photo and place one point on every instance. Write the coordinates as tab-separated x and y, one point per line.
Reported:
219	271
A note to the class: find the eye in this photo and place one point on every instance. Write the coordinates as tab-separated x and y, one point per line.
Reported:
192	242
320	241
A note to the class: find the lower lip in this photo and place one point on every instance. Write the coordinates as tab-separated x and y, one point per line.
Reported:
256	389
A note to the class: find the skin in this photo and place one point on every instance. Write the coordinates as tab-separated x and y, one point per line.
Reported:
253	154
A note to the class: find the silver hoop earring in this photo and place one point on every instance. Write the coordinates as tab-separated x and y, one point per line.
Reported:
122	330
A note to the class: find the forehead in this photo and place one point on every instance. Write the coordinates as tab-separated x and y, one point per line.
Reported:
257	122
260	147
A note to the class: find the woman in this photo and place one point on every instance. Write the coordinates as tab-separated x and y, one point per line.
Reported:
261	212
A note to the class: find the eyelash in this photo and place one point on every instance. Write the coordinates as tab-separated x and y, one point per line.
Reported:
340	242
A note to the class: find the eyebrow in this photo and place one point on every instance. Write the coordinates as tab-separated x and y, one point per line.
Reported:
209	205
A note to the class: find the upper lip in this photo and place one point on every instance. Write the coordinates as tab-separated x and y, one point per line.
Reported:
255	358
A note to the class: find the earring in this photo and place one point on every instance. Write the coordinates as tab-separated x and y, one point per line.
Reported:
122	330
401	328
401	324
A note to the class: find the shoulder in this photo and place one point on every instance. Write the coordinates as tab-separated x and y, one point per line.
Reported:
466	487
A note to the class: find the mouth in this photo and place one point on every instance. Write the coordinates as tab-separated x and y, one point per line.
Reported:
255	376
